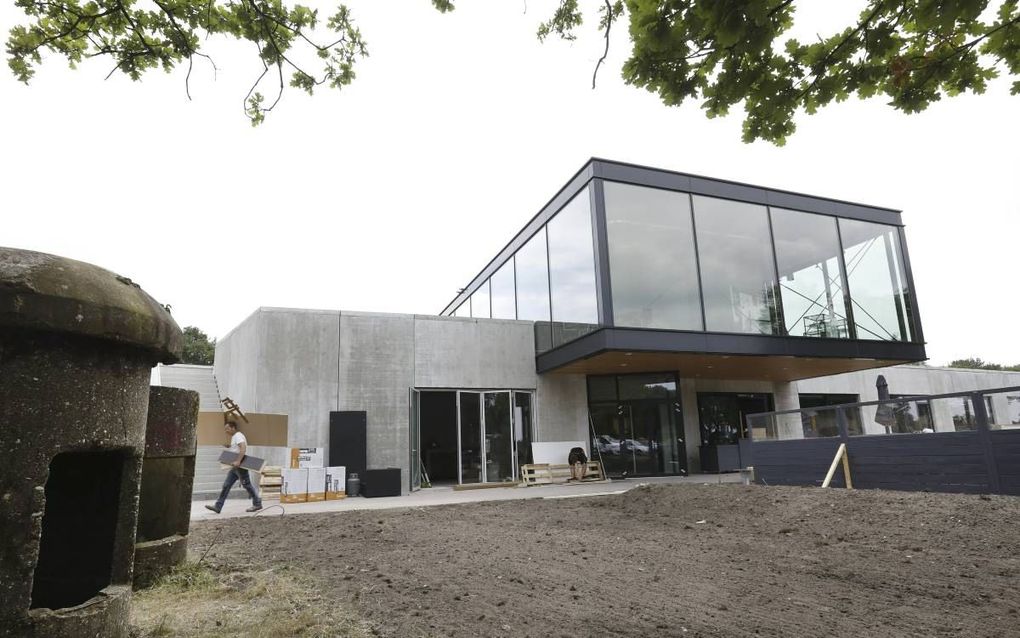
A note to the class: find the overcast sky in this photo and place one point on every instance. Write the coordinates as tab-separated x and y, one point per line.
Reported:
393	193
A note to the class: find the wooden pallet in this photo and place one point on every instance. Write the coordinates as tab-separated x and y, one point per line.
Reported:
549	473
270	481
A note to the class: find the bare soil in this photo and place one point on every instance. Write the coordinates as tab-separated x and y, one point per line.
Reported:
676	560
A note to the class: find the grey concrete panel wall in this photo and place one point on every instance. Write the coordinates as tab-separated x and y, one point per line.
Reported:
236	363
562	408
452	352
298	370
376	374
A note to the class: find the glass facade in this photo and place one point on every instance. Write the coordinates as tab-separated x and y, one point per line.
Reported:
572	271
502	291
810	274
690	262
480	302
737	266
652	261
878	288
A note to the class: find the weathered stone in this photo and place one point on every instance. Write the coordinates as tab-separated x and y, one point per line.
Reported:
154	559
76	347
168	472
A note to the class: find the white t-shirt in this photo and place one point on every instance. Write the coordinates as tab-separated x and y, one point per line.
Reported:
236	441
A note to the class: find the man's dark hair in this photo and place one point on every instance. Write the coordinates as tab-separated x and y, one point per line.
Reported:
232	424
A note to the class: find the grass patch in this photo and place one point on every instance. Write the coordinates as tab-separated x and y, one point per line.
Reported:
195	601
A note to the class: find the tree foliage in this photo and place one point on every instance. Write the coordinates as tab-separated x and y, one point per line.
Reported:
198	349
731	52
170	33
723	53
978	364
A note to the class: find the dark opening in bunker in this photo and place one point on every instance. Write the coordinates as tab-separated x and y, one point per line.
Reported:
79	527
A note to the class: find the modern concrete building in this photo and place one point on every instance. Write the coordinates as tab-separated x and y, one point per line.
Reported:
642	311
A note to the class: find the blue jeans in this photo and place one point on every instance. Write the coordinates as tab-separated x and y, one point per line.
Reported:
233	475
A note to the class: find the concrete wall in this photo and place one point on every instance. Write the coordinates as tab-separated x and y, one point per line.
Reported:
307	363
562	408
236	363
298	366
376	372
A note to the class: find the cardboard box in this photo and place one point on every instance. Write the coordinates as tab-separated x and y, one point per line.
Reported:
336	482
306	457
294	487
316	484
268	430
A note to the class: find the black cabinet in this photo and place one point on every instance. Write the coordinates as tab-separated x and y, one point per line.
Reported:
348	441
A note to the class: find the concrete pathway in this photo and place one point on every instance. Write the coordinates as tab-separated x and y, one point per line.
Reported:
445	495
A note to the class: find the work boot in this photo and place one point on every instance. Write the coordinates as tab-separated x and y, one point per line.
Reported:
212	508
254	508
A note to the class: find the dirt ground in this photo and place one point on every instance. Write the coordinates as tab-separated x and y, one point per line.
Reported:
670	560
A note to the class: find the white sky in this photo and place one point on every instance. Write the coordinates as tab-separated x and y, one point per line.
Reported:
393	193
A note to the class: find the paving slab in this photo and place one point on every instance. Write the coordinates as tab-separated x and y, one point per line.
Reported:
446	495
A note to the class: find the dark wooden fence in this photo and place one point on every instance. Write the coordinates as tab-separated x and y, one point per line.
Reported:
979	460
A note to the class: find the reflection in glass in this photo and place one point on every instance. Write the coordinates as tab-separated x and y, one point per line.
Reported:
652	263
810	274
470	437
878	288
1004	413
480	302
824	422
722	415
572	270
498	438
502	291
523	427
532	269
637	431
737	268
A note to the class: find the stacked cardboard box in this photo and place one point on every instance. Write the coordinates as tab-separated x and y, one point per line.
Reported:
316	484
336	483
294	488
306	456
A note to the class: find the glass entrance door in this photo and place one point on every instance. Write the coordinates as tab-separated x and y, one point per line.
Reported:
415	440
494	431
635	420
469	437
499	439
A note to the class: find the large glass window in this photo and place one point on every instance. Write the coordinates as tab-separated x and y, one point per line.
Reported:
572	270
502	291
463	310
810	274
480	302
737	267
652	263
533	288
878	288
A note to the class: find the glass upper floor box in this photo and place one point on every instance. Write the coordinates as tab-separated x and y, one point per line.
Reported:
630	268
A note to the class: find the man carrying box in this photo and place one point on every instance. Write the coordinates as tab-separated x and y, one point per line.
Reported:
238	445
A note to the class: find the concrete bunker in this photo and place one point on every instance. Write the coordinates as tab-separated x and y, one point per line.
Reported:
79	527
76	347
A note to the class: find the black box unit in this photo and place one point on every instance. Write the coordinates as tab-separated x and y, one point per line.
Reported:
381	482
348	438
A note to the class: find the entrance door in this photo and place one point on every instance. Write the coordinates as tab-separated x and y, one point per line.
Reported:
635	421
499	438
470	437
415	440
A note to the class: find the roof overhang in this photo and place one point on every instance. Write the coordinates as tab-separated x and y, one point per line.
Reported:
722	356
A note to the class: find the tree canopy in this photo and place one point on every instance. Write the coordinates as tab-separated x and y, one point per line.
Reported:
977	363
198	349
723	53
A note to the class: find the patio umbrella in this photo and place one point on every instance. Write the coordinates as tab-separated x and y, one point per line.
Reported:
884	415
